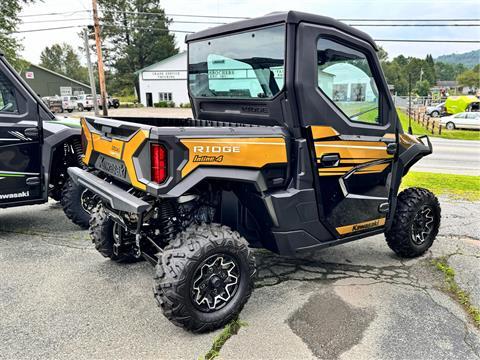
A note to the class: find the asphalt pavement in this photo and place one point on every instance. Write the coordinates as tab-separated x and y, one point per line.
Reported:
60	299
452	157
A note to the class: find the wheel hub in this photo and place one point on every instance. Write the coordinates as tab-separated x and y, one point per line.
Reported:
422	225
215	283
88	201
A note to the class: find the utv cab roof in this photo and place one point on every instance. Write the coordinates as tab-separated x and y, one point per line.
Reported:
289	17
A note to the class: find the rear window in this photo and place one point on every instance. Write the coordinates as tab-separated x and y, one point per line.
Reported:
244	65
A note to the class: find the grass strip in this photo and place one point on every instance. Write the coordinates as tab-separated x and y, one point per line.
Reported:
464	187
462	297
228	331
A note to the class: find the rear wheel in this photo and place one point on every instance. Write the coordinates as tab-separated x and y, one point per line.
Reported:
204	277
415	223
450	126
80	107
77	203
435	113
105	233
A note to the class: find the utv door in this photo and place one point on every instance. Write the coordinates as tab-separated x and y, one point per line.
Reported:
20	142
349	119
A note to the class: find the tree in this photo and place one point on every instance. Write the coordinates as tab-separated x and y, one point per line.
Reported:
9	10
135	35
470	78
429	70
422	87
63	59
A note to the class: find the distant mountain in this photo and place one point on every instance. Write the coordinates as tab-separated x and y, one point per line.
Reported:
469	59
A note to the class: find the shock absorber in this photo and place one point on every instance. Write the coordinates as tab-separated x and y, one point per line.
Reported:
168	224
78	152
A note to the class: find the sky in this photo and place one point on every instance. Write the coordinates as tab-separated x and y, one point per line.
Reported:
35	42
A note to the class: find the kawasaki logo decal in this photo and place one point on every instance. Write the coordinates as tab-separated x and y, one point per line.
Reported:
22	194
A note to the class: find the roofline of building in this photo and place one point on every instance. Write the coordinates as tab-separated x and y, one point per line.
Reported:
61	75
160	62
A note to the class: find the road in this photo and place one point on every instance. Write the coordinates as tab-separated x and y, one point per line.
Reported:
452	157
60	299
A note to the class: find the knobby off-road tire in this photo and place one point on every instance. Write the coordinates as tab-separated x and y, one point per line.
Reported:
417	208
72	204
177	271
102	235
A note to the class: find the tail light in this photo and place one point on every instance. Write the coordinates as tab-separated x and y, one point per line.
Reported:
158	155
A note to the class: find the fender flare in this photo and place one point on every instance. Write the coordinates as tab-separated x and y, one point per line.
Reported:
238	175
50	143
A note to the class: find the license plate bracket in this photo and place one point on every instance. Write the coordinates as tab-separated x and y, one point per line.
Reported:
112	167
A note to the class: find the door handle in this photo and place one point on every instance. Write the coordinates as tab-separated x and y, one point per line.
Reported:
330	160
31	132
392	148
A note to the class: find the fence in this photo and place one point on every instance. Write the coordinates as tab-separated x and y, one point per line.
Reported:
432	124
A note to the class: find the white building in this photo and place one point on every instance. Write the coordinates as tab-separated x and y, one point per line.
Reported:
165	80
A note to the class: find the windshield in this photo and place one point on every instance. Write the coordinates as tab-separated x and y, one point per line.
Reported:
245	65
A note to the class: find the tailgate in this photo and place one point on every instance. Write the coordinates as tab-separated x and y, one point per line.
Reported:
113	147
123	150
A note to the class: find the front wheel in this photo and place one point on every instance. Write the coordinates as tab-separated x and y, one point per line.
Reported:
415	223
435	113
81	107
204	277
450	126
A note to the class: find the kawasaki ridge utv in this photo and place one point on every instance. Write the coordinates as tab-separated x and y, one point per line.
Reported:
295	146
36	148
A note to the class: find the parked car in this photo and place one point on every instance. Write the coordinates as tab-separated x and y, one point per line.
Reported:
69	103
436	110
85	102
463	120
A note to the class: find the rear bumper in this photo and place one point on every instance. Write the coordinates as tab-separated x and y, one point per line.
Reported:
115	197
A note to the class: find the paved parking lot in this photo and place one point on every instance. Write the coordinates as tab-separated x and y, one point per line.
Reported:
60	299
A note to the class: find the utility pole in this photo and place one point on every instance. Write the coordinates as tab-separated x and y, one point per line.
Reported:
101	72
410	104
90	72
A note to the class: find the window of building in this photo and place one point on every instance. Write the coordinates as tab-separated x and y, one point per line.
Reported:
345	76
8	101
165	96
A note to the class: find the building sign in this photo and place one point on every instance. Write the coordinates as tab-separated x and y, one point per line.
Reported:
165	75
29	75
65	90
241	73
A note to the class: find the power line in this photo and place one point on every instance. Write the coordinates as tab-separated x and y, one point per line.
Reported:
189	32
149	28
49	21
245	18
78	19
47	29
54	13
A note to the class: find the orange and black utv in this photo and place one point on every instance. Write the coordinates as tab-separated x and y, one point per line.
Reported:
294	145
